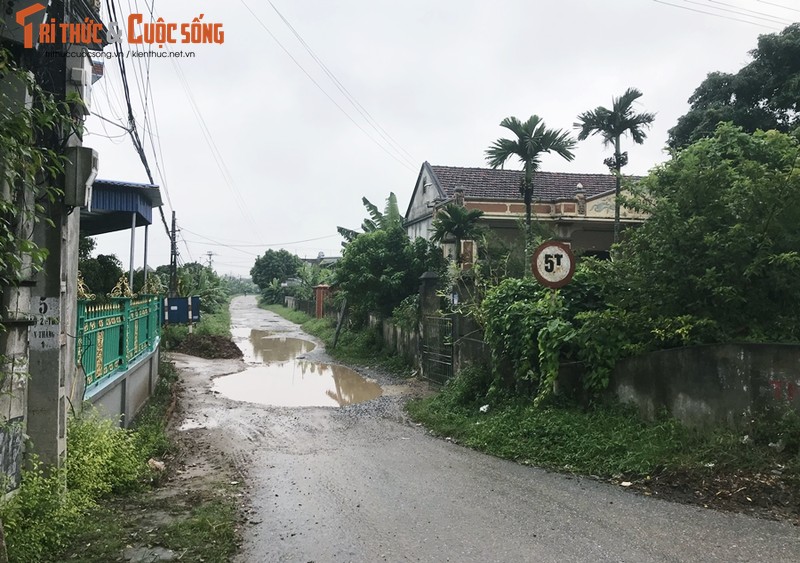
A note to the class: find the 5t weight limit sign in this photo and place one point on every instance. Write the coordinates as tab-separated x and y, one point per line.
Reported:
553	264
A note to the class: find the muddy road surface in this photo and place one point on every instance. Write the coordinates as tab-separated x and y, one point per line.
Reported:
362	483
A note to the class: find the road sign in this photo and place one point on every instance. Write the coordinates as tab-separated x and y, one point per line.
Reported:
553	264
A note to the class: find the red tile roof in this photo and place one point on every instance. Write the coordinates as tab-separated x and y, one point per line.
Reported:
490	184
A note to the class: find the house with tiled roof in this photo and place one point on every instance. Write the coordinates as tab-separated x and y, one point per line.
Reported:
579	208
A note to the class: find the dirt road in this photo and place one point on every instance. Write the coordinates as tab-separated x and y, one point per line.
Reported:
362	483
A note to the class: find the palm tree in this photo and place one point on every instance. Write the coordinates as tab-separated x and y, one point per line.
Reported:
533	139
458	221
612	124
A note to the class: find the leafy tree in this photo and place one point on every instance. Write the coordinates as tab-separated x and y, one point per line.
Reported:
764	94
310	276
196	279
390	217
380	268
721	245
274	265
611	125
28	170
86	246
101	274
458	222
533	139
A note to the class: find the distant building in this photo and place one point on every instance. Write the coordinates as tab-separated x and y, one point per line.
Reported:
578	207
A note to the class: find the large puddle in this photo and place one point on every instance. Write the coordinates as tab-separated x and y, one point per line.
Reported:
283	378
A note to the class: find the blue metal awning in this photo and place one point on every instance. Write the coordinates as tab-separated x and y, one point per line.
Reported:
114	203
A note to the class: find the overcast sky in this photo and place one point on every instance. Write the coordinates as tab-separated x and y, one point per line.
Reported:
251	154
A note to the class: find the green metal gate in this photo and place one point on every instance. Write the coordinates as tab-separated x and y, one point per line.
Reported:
437	349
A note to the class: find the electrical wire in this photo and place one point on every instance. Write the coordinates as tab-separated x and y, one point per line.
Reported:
778	5
144	87
215	152
259	245
715	14
756	13
327	95
137	143
114	123
353	101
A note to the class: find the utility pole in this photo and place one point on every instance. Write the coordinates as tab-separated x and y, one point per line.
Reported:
52	350
209	254
173	260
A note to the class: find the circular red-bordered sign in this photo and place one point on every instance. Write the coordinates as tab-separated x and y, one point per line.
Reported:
553	264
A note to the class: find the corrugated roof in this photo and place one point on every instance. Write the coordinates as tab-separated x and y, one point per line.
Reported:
490	184
149	192
114	203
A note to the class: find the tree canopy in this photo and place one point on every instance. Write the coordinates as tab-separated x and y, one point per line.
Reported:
274	265
380	268
764	94
722	240
533	139
101	274
611	125
457	221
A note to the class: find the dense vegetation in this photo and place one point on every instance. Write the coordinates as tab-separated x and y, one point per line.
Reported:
764	94
716	261
53	506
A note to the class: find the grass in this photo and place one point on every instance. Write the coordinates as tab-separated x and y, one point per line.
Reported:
297	317
197	526
357	347
91	528
606	440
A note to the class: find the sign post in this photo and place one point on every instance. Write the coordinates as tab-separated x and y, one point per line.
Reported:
553	264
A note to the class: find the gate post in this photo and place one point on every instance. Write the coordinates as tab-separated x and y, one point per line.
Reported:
320	293
428	300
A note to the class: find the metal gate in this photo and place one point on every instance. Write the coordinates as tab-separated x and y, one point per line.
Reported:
437	349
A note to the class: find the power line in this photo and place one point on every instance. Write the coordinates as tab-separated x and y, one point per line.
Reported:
779	5
250	245
215	152
114	123
144	86
321	89
137	143
745	12
715	14
353	101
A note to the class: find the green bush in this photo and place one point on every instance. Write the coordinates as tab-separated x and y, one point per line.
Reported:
406	314
471	386
42	515
103	458
50	507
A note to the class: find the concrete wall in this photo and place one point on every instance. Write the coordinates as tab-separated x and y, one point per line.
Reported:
712	385
123	396
403	342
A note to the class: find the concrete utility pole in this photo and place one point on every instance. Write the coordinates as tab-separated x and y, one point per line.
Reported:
210	255
15	307
173	259
53	298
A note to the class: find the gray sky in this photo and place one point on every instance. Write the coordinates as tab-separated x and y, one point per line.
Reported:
253	154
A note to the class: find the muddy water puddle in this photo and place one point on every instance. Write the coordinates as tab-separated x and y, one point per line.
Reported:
282	377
